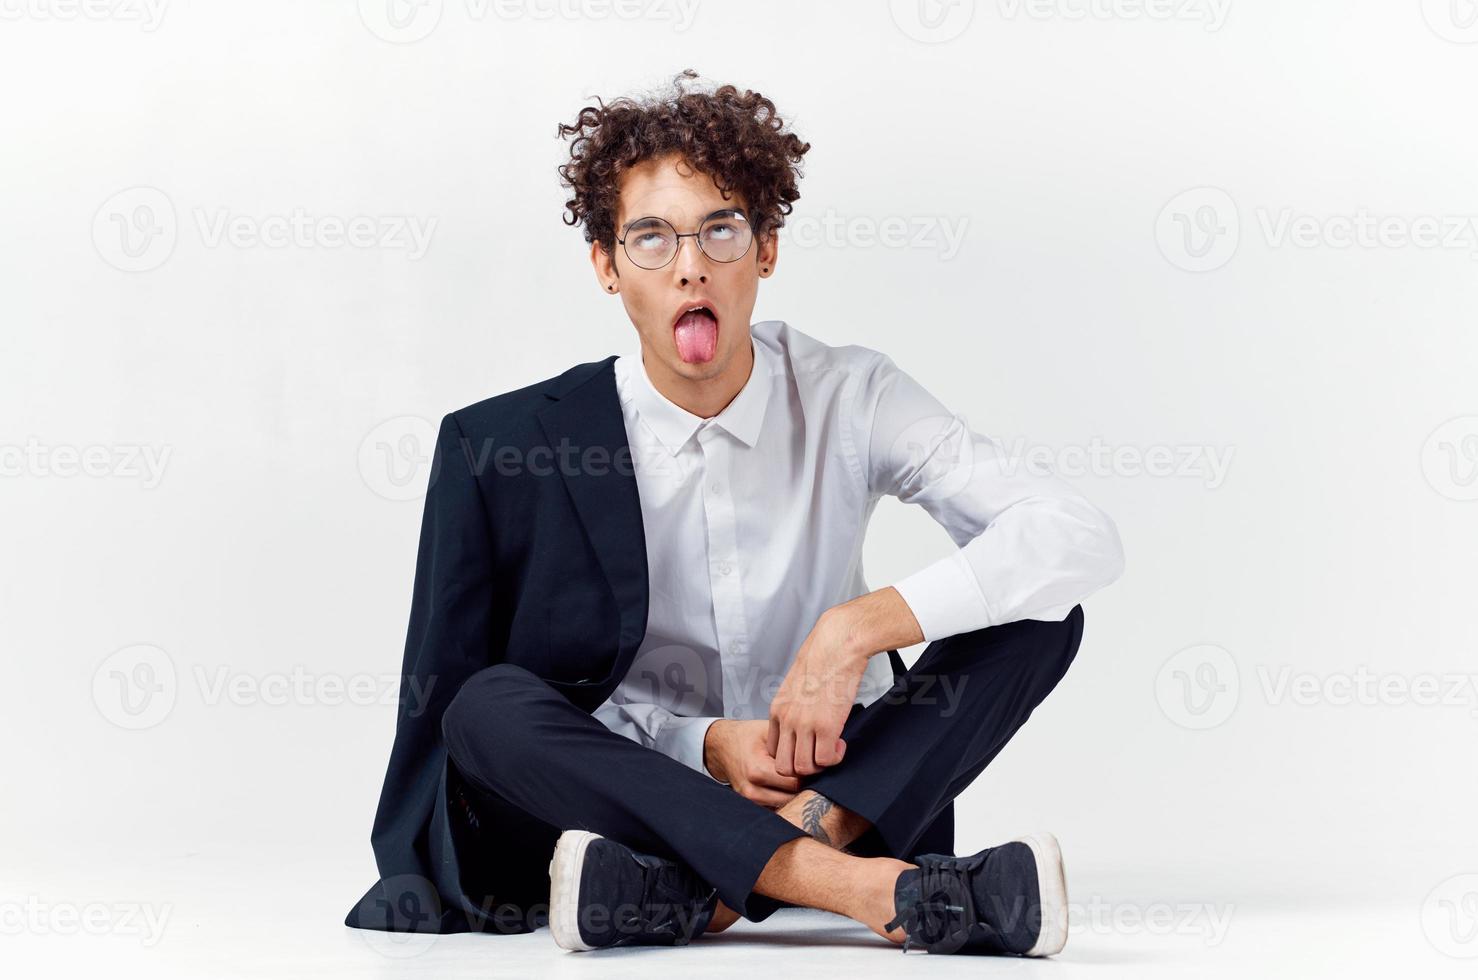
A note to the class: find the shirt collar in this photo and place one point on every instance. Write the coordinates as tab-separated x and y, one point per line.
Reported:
674	425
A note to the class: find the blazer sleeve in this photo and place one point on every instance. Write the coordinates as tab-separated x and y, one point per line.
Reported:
447	641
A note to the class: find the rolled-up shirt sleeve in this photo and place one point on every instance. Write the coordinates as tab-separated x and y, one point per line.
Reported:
1030	546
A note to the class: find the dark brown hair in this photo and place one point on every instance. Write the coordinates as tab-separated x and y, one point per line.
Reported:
734	137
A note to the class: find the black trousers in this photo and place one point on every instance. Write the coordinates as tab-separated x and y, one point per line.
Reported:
538	765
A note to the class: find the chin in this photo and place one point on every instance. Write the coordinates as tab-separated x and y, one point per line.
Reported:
699	370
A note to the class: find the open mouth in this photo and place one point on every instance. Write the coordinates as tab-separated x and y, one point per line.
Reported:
696	334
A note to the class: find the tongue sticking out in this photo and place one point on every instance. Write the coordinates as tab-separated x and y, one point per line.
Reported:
697	336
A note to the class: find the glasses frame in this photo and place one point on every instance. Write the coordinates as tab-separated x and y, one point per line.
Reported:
626	233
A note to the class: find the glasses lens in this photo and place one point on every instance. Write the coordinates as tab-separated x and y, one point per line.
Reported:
725	236
650	242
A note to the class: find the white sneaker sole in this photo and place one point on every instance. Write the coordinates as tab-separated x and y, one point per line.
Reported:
564	889
1052	890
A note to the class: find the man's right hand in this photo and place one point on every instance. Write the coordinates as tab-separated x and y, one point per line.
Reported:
736	752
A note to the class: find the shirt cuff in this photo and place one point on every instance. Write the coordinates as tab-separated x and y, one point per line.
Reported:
682	739
945	598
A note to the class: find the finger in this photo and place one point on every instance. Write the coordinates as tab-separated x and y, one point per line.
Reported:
785	757
772	739
826	750
805	753
769	776
769	797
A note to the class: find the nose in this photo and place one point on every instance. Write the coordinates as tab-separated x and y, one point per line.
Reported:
690	264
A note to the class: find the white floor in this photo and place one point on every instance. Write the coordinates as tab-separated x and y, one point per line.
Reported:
234	914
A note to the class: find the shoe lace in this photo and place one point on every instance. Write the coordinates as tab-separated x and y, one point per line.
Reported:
671	906
941	918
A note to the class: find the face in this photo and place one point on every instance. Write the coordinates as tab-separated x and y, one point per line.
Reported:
679	347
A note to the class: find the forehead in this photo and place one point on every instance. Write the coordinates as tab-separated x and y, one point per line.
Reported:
669	187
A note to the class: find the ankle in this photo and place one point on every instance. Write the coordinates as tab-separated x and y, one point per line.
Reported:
876	907
723	917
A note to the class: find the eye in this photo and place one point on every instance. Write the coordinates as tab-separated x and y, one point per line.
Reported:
651	240
650	236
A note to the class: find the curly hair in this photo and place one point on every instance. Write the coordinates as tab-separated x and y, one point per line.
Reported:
734	137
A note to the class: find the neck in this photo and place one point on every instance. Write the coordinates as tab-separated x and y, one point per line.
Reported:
703	397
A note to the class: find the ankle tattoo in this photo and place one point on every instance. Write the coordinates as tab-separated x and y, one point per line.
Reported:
813	811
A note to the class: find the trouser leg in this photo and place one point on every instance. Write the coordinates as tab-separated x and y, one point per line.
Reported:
511	734
915	749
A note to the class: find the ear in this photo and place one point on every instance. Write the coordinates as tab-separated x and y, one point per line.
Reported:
768	254
605	269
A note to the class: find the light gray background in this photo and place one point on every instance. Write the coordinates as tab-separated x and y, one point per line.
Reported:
1123	230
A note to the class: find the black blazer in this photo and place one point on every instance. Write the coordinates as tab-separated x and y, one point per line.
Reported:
531	552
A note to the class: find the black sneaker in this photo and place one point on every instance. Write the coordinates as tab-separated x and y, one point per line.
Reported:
604	894
1010	899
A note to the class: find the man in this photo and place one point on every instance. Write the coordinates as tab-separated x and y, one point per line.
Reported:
652	699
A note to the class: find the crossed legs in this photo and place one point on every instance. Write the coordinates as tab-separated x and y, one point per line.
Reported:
909	754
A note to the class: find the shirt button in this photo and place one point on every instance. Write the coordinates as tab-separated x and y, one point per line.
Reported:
724	568
717	489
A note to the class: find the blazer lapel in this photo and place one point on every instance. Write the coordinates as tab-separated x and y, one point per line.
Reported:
585	415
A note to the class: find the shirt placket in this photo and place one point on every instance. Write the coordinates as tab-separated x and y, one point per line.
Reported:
724	572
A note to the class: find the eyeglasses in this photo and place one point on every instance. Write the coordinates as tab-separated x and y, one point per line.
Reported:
651	243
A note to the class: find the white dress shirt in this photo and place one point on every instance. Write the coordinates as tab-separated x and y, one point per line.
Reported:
754	522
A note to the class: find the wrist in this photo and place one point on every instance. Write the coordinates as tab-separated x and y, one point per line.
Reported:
847	626
712	757
874	622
